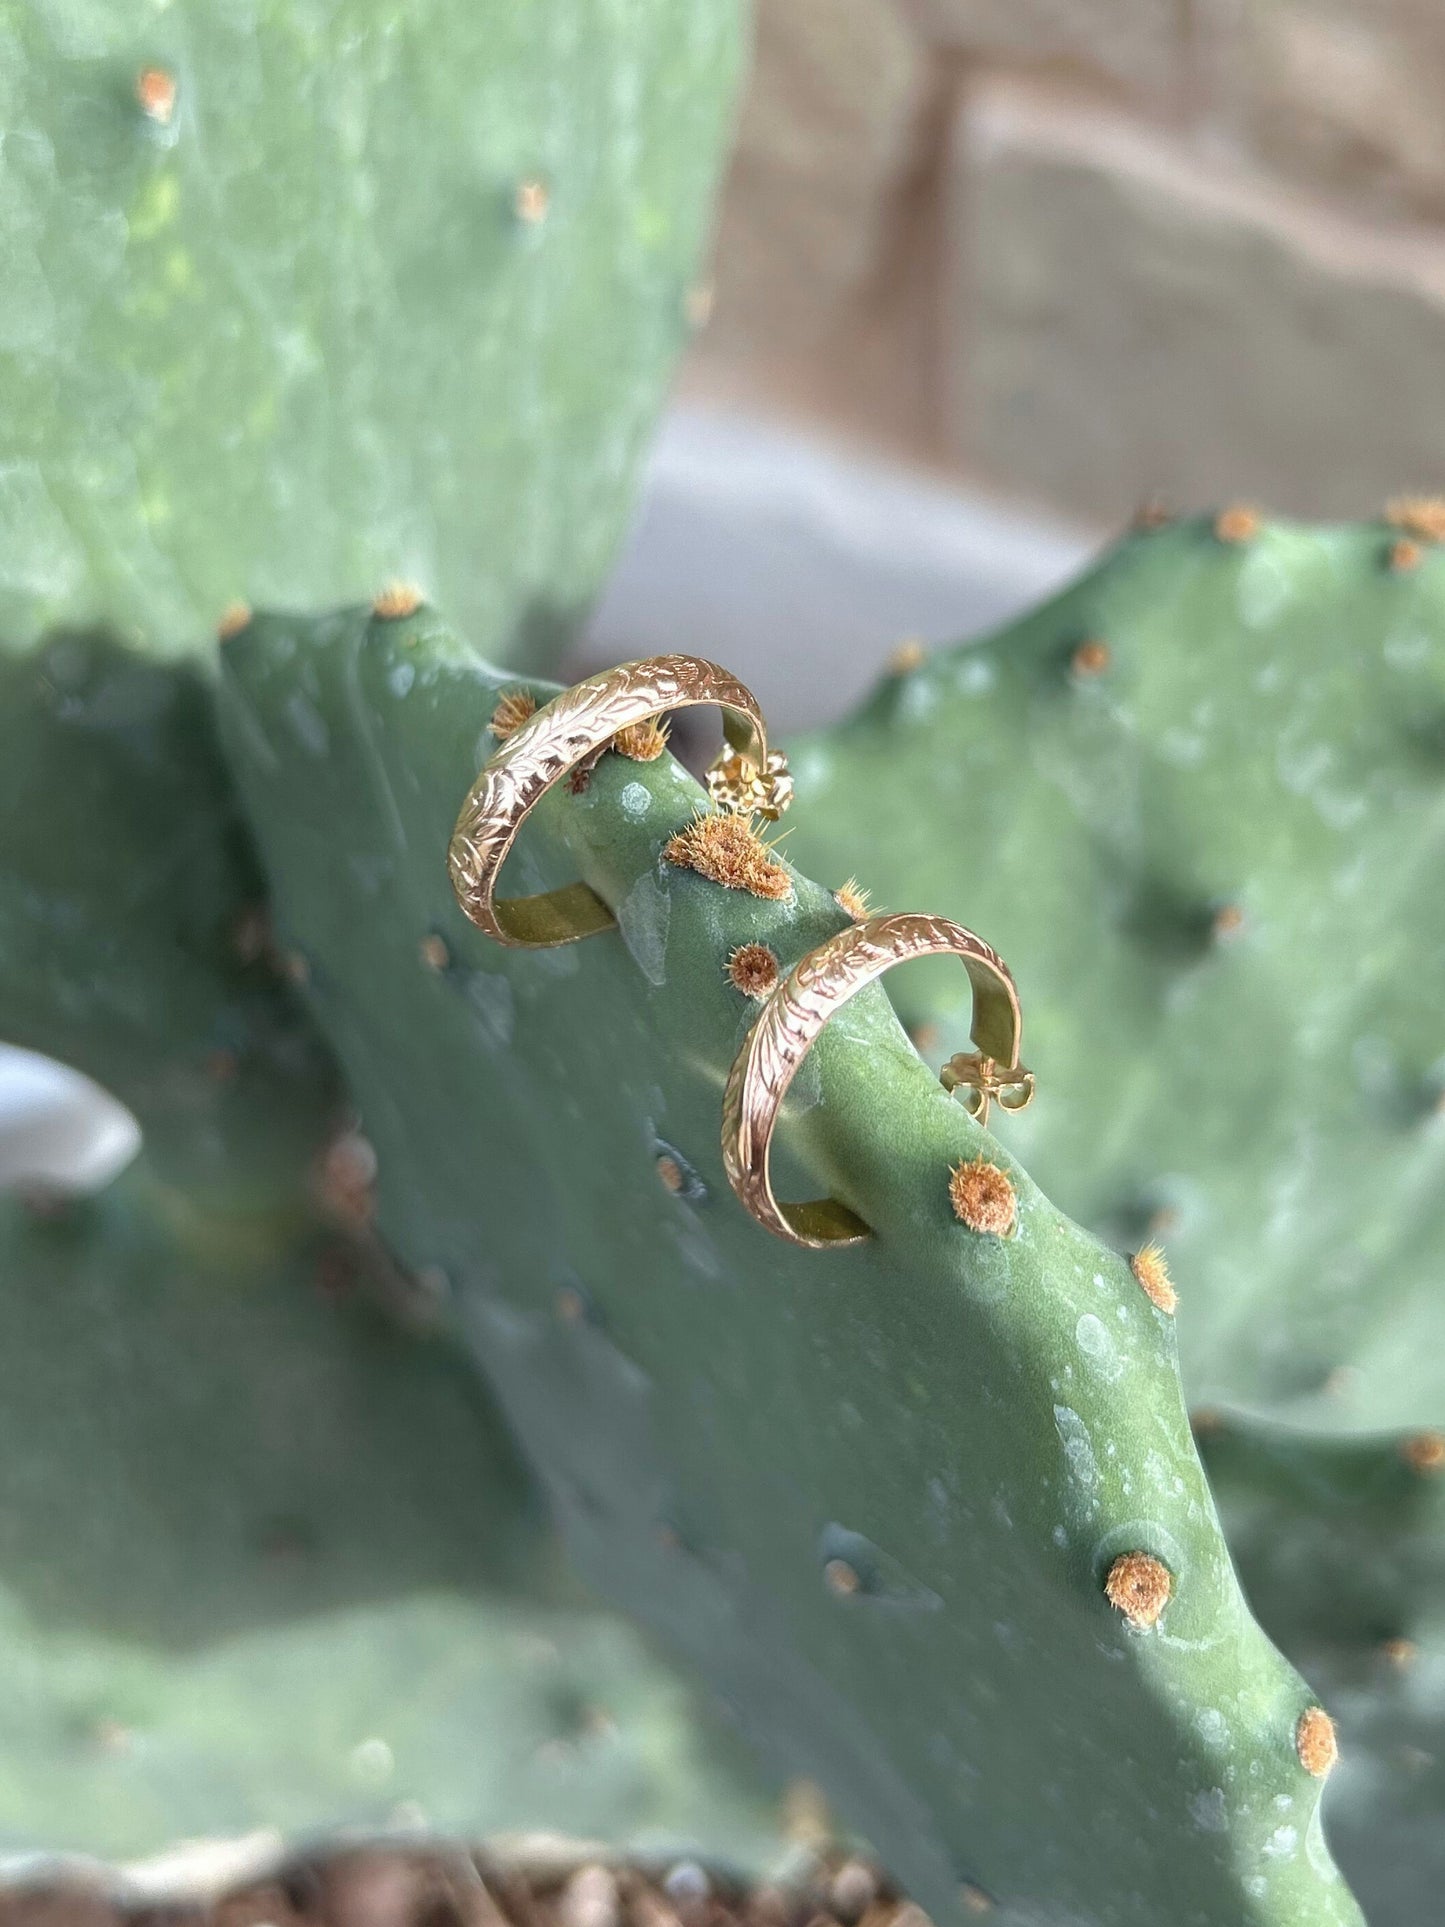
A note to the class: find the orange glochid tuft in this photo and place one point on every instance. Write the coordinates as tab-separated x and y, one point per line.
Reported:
514	707
1237	523
852	899
1091	658
1151	1269
155	92
1139	1587
1422	515
1424	1451
1315	1741
235	617
983	1198
395	601
726	849
642	742
753	969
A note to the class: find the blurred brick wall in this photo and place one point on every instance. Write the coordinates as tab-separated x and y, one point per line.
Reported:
1093	251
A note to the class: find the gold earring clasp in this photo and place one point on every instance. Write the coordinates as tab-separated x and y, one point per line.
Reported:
984	1081
735	782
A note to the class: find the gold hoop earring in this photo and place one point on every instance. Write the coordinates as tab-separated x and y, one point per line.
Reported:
575	726
791	1022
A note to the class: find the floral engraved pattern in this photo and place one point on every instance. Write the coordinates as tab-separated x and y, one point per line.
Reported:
791	1021
571	728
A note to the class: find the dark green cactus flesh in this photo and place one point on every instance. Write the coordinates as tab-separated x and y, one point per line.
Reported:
298	299
269	1560
265	1558
134	936
302	296
302	299
1196	802
876	1495
1340	1544
928	1512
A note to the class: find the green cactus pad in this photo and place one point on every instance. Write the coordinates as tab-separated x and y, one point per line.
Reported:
1196	800
301	297
264	1560
875	1495
267	1560
133	937
1340	1545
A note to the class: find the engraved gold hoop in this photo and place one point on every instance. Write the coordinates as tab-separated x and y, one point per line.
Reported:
573	728
791	1022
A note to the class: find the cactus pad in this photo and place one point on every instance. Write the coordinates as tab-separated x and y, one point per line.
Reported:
1196	802
269	1560
1340	1545
876	1495
1196	799
298	297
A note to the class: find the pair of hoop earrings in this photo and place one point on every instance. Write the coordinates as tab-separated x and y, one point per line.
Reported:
574	728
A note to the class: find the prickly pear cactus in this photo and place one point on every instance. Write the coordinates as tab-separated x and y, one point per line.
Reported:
1340	1543
1196	800
927	1511
299	297
266	1555
134	939
268	1560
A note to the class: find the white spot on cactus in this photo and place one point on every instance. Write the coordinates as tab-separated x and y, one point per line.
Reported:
642	919
1208	1811
493	1006
1304	768
1096	1342
307	724
1179	747
1212	1728
635	798
1407	651
696	1249
372	1761
1078	1449
49	562
916	699
975	676
1301	765
400	678
560	960
1282	1843
1264	588
369	872
1341	812
1256	1886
